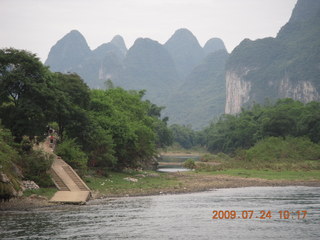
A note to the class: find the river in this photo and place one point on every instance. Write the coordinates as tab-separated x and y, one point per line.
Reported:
181	216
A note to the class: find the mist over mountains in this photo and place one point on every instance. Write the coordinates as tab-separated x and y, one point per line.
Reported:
165	71
197	84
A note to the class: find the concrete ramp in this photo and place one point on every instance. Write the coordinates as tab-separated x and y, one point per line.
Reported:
78	197
72	188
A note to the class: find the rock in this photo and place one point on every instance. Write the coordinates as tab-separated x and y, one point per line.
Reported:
38	197
153	175
29	185
17	171
4	178
130	179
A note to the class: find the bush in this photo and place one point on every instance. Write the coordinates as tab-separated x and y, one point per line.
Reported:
70	152
207	158
275	149
189	163
36	165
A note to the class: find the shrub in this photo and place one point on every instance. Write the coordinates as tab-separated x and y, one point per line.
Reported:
189	163
207	158
70	152
36	165
275	149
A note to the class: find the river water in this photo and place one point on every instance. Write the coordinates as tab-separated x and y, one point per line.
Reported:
182	216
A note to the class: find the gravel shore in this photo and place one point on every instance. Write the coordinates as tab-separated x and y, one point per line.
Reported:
191	183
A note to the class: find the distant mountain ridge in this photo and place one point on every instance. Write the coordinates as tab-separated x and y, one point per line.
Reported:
195	83
162	70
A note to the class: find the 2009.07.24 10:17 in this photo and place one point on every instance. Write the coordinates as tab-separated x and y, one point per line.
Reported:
249	214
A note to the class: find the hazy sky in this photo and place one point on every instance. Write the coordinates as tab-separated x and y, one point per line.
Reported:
36	25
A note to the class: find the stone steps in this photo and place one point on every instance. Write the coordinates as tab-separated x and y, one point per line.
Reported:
58	181
75	178
72	188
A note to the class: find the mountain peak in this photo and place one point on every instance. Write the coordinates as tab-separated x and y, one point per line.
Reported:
305	10
68	52
74	32
183	34
213	45
185	51
118	41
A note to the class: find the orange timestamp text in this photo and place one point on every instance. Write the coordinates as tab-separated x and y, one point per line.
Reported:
262	214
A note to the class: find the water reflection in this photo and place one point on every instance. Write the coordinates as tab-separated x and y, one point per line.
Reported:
184	216
172	169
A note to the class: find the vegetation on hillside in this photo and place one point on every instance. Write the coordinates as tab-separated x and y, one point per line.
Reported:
115	129
285	118
105	129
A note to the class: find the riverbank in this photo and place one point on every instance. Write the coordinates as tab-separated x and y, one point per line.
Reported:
187	182
152	183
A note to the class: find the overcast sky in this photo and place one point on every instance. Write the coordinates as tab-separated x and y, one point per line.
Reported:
36	25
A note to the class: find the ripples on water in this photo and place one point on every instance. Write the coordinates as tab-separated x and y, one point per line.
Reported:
183	216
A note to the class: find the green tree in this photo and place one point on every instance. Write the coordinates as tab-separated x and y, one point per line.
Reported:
164	135
25	93
72	98
309	122
285	118
71	152
183	135
124	116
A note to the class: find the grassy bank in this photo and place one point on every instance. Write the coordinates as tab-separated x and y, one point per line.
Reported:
313	175
45	192
151	183
142	183
154	183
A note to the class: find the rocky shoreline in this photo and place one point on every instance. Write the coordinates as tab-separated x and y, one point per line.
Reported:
191	183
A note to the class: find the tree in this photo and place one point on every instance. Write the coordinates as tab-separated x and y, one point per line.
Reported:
25	93
124	116
72	98
164	135
183	135
285	118
309	121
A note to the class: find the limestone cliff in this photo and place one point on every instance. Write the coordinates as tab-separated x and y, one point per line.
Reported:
237	89
304	91
287	66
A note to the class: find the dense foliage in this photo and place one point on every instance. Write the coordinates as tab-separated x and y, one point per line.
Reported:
25	93
123	115
20	161
272	153
110	128
283	150
285	118
186	137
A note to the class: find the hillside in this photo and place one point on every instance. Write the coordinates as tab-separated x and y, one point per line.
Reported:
149	66
281	67
176	75
202	97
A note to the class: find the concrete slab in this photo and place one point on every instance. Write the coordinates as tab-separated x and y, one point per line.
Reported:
78	197
72	188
